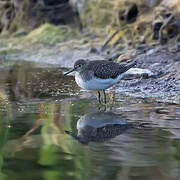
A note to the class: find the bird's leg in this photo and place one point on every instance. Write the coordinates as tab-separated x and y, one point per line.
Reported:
99	97
104	96
112	97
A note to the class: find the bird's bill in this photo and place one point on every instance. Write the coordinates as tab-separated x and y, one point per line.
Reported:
70	71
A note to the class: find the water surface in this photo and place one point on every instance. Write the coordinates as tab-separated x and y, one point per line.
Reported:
51	130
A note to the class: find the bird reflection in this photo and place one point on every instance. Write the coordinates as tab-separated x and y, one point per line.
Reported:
100	127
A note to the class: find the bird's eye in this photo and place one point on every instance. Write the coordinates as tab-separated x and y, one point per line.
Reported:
78	66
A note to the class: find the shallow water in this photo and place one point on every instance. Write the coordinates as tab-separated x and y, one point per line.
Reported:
51	130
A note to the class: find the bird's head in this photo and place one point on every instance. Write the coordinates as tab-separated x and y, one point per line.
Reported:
79	65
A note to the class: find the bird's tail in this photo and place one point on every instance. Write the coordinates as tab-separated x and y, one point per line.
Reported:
129	66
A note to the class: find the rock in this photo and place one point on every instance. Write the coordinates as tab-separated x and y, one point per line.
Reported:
138	73
172	4
141	47
126	56
178	43
178	47
166	23
129	15
156	27
151	51
77	5
94	50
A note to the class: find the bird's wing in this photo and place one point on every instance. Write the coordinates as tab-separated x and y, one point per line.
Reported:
108	69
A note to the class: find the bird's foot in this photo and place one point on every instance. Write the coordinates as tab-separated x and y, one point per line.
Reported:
111	98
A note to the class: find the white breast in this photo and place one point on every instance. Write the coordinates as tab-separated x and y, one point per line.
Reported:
96	83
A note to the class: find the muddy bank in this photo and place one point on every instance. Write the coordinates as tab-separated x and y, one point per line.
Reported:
161	83
164	86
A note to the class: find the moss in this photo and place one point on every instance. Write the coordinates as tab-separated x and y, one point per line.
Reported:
6	51
50	34
3	97
19	33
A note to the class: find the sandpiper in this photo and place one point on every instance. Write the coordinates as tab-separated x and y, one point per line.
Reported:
98	75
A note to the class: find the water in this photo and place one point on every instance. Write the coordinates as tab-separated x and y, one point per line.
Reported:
51	130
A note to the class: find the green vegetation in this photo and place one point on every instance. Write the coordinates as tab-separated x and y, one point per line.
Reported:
49	34
7	51
4	132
